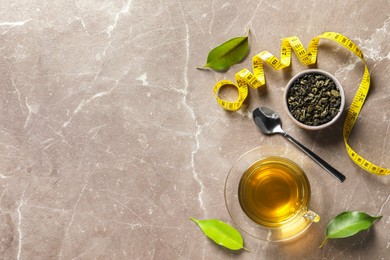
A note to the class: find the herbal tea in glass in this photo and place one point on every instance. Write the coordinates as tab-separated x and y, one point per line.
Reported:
273	191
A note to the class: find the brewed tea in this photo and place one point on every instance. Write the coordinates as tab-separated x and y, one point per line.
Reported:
273	190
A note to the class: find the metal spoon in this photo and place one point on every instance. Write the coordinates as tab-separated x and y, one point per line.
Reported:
268	121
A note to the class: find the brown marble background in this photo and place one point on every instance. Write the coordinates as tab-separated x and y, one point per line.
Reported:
110	138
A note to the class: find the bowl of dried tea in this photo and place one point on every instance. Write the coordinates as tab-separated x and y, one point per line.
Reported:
314	99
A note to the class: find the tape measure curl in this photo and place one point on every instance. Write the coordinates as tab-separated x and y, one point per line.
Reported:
246	79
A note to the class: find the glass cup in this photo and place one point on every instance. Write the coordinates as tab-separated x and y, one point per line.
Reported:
268	196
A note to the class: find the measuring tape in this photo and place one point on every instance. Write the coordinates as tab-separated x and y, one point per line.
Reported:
246	79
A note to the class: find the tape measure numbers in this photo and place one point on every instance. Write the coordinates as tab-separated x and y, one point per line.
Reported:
246	79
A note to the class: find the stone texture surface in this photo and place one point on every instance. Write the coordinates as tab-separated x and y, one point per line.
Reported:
110	138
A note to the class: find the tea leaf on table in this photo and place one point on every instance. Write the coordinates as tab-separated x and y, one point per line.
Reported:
221	233
227	54
348	224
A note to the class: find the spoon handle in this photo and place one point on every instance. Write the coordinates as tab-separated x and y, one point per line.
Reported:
316	158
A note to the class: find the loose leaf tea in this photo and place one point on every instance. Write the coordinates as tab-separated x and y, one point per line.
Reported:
313	99
228	54
221	233
348	224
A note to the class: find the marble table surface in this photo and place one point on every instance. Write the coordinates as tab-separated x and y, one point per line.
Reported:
110	138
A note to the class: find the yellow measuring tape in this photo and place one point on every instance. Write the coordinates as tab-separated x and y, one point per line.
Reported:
245	79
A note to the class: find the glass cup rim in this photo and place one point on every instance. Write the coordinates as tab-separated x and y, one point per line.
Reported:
302	180
241	220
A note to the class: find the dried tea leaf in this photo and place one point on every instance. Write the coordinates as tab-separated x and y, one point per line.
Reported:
348	224
313	99
221	233
227	54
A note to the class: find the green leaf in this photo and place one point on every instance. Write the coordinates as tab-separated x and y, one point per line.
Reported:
348	224
221	233
227	54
